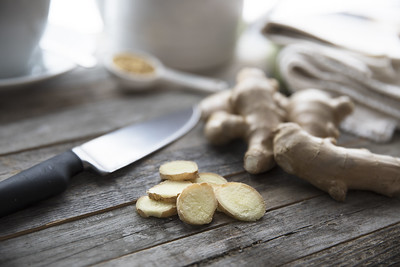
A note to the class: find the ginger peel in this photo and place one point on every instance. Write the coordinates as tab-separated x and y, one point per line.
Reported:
334	169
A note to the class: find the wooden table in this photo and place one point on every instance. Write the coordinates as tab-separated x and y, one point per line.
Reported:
95	222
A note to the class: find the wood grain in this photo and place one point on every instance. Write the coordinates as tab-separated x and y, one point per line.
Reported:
90	193
97	235
381	247
95	223
282	236
86	120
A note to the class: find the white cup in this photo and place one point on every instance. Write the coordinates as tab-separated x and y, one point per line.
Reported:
22	23
190	35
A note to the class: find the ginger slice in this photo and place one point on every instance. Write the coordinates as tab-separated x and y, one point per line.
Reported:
240	201
168	190
196	204
179	170
210	178
147	207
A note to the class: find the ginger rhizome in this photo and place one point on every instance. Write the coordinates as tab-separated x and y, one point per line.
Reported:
248	111
334	169
317	112
255	111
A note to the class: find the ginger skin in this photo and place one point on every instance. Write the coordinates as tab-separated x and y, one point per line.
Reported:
251	112
334	169
317	112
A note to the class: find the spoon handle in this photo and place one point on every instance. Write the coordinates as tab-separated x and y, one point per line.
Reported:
195	82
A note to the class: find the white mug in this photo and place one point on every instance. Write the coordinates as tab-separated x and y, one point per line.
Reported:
22	23
190	35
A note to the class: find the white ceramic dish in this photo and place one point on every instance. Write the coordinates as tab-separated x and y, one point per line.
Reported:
51	65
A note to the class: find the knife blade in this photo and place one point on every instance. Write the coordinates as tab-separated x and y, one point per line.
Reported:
104	155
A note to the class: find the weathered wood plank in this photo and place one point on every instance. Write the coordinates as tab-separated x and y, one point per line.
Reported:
88	120
282	236
72	89
101	236
378	248
92	239
90	193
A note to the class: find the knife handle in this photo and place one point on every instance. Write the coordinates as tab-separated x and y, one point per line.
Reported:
39	182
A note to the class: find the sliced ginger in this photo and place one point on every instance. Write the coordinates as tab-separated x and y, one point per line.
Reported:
147	207
179	170
168	190
196	200
196	204
210	178
240	201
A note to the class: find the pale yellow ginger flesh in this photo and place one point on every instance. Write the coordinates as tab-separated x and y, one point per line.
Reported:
147	207
179	170
334	169
196	204
250	111
210	178
195	201
317	112
240	201
168	190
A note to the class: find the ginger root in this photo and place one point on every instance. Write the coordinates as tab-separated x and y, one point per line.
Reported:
334	169
249	111
317	112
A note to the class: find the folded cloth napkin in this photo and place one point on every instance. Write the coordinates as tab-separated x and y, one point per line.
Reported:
344	57
311	65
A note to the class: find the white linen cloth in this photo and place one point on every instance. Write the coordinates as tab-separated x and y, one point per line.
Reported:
377	99
345	55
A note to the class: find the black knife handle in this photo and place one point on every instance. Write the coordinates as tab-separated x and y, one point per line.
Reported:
39	182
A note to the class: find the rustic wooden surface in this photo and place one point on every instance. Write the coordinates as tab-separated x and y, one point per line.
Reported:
95	223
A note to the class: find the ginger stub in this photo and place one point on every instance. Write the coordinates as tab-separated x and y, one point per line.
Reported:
240	201
196	204
179	170
167	191
334	169
147	207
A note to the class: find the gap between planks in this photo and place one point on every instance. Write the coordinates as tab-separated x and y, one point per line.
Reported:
213	228
167	242
342	243
86	215
59	222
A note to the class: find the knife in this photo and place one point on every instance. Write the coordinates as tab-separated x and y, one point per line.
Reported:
103	155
